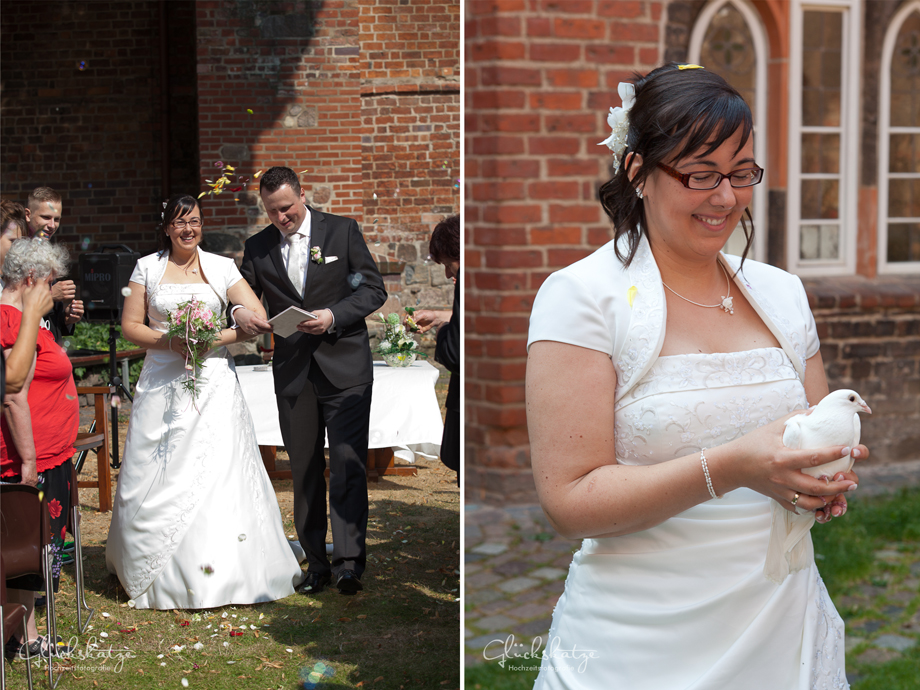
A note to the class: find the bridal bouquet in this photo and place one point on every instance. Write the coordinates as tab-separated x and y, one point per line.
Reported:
198	327
397	347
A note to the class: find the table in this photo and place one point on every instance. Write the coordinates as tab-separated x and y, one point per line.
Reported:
405	416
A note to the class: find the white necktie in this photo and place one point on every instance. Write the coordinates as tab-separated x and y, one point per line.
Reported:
295	262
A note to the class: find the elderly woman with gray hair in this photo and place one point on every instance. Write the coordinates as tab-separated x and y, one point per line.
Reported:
40	422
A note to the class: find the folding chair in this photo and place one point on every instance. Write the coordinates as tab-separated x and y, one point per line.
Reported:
13	615
25	543
73	526
97	439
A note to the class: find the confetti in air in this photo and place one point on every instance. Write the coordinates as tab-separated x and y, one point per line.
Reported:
375	195
219	164
126	291
249	110
207	569
242	537
84	243
355	280
457	184
81	65
116	400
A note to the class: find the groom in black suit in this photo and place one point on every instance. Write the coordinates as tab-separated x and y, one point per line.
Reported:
323	373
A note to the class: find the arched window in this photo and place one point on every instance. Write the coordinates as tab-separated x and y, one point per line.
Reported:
899	145
729	39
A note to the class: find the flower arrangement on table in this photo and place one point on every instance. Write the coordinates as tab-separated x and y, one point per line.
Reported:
198	327
397	347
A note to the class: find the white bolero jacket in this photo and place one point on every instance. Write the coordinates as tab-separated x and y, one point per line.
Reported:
592	304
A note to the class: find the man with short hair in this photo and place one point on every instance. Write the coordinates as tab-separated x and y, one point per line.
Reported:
43	216
323	373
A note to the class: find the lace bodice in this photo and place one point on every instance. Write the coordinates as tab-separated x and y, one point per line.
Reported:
693	401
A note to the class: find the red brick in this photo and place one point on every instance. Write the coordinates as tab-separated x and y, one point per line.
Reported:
499	371
649	56
507	347
492	191
489	7
506	168
572	78
513	258
571	123
553	190
555	52
500	281
565	257
538	27
494	100
496	50
556	235
559	145
503	395
610	54
574	166
499	26
485	146
507	304
498	75
582	29
637	32
622	9
506	122
557	101
500	325
574	214
498	235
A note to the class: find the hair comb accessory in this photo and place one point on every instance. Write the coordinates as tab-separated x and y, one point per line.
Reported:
683	67
618	120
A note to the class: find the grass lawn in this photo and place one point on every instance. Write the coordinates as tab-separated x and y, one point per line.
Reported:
870	562
402	631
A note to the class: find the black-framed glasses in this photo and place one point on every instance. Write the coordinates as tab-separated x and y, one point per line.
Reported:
180	224
710	179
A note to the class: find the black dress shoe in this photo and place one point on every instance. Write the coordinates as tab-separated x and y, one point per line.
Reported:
348	582
314	583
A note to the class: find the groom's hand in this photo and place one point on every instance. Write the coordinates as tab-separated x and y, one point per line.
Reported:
319	325
250	323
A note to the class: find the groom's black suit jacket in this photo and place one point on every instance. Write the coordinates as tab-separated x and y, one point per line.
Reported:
343	355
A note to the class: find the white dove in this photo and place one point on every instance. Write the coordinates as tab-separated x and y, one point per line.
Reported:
834	422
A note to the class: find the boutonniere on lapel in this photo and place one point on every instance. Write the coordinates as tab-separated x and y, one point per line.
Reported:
316	256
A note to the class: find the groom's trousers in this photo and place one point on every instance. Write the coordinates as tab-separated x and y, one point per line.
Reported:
305	419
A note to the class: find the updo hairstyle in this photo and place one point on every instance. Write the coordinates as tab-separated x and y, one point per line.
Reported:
678	112
177	206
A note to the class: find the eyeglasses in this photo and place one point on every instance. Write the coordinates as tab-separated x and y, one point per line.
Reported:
710	179
180	224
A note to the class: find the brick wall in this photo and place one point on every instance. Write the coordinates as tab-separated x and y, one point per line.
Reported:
81	113
540	77
362	95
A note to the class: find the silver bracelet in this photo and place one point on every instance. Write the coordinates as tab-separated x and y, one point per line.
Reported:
706	473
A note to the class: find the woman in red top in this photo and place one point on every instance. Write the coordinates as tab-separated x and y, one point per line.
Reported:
40	422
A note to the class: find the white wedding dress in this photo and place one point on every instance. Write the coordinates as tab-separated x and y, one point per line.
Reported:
195	523
685	605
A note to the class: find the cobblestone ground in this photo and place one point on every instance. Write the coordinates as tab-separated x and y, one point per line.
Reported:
516	564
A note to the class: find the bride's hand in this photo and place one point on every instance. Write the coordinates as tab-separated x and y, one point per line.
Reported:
761	462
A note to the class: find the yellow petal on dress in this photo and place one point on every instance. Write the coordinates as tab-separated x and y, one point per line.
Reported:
631	295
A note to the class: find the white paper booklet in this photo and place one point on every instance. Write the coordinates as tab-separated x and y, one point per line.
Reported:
285	323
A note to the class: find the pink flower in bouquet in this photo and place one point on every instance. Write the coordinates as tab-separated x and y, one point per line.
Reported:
198	327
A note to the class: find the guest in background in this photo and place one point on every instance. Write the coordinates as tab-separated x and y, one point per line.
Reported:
43	216
444	248
36	300
40	422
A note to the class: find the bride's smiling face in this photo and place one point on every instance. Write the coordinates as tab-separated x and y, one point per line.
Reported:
184	232
691	222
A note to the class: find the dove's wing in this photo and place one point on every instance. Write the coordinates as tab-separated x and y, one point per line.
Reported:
857	428
792	436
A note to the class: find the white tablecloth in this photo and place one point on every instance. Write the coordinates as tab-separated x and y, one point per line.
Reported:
404	409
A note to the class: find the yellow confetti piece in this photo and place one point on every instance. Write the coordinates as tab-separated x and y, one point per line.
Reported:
41	495
230	168
202	194
257	175
683	67
249	110
631	295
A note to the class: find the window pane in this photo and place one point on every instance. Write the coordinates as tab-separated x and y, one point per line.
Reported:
821	153
728	50
821	68
904	155
820	199
904	242
905	75
819	242
903	198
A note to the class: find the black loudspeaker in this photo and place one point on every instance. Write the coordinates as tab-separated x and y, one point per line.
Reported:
103	275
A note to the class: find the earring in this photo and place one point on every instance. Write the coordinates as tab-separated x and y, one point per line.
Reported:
638	192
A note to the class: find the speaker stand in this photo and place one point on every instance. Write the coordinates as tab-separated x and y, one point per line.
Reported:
115	380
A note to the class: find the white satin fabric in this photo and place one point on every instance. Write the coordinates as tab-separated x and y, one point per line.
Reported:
195	523
684	605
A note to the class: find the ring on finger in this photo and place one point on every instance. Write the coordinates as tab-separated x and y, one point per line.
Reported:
795	499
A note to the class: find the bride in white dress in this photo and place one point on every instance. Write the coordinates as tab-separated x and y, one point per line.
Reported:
196	523
658	380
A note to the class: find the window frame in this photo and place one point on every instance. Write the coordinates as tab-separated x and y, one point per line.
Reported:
848	190
762	56
885	130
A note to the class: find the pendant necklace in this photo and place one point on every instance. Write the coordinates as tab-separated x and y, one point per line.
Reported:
184	269
725	304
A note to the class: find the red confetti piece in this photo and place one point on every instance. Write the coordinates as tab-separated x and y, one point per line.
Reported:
128	630
234	633
236	189
184	624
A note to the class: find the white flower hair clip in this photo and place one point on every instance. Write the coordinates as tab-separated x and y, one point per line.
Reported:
618	120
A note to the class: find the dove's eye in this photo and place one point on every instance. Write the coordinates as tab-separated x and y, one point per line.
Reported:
852	398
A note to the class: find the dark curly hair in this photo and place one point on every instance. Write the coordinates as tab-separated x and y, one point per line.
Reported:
177	206
445	240
676	113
